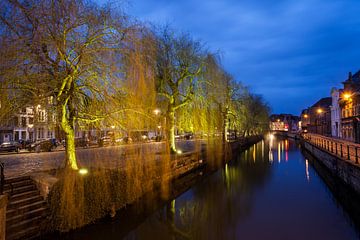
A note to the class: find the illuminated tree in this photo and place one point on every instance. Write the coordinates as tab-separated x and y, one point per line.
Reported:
179	64
254	114
68	50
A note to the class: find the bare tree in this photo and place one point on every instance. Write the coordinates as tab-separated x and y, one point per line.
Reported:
68	50
179	65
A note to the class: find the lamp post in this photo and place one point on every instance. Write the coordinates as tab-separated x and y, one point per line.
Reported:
319	112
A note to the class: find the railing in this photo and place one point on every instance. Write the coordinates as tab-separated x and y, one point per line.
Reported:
2	178
345	150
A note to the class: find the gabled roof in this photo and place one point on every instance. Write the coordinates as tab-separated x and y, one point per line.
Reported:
355	78
324	102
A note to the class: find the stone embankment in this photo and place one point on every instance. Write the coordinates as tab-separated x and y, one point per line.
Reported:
119	178
340	158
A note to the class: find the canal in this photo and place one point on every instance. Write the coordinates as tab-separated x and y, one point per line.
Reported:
270	191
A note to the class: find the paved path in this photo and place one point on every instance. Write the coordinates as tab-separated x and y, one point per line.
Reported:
346	150
24	163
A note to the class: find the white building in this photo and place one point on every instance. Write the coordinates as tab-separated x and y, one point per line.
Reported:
335	113
29	124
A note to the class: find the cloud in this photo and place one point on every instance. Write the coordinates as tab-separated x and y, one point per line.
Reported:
309	45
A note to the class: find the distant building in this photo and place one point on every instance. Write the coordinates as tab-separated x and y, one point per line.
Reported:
284	122
29	123
349	103
304	120
335	113
320	117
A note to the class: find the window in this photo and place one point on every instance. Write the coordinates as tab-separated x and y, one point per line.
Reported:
23	121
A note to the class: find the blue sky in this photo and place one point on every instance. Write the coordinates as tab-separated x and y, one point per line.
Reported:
290	51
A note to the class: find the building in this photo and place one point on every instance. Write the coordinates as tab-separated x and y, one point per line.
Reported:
284	122
349	103
319	116
30	123
304	120
335	113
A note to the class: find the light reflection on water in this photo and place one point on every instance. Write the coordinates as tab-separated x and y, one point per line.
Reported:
254	198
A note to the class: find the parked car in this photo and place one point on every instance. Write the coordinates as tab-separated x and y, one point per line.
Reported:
105	141
42	146
10	147
24	143
123	140
82	142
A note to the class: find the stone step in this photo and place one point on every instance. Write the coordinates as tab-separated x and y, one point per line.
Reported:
17	179
26	223
24	195
25	201
28	215
18	184
22	189
27	233
26	208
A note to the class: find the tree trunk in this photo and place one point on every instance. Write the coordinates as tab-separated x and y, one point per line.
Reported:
67	124
225	125
171	129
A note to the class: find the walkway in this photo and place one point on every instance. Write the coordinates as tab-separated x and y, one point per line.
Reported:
343	149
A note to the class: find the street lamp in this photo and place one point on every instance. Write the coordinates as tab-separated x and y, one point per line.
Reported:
157	111
319	111
347	96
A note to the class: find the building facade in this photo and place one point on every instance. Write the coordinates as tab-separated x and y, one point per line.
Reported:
284	122
349	103
319	116
30	123
335	113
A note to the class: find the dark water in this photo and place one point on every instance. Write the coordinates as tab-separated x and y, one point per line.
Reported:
271	191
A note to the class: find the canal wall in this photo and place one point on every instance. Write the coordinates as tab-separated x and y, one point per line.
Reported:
347	171
343	194
75	201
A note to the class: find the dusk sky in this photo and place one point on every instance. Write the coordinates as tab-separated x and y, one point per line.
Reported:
292	52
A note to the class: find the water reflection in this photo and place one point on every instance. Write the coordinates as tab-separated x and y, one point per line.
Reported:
250	198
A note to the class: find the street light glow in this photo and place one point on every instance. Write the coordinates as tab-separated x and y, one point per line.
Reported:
319	110
346	96
157	111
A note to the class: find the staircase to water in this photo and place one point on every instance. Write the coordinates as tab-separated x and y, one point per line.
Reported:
26	210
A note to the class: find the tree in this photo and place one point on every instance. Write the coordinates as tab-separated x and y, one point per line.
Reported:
179	64
68	50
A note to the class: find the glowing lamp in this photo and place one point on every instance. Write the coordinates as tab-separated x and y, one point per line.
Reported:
346	96
157	111
179	152
319	110
83	171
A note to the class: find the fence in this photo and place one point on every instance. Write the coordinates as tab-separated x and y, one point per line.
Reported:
342	149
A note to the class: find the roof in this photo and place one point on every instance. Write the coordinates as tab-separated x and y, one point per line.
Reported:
354	77
324	102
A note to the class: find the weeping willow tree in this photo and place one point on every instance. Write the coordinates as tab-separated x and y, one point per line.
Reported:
68	50
179	64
